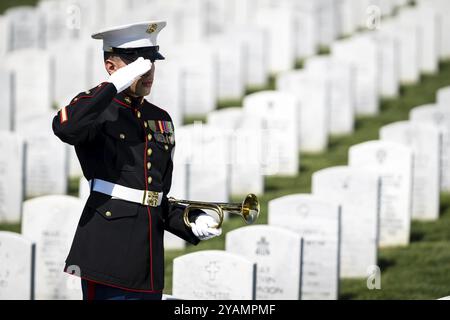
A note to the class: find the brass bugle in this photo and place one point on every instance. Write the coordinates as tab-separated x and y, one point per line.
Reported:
248	209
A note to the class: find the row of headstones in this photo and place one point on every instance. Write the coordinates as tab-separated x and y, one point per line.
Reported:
32	263
322	21
405	188
218	67
44	175
341	233
398	179
284	159
58	176
352	212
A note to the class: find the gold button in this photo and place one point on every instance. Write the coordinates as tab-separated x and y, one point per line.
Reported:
122	136
149	180
108	213
149	152
88	92
149	137
166	147
145	124
128	100
149	165
138	114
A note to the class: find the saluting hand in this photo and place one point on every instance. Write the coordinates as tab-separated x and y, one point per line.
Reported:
125	76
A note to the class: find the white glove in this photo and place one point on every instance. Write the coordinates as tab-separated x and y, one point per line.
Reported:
204	227
125	76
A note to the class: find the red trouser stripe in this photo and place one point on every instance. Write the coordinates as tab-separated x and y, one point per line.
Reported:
148	210
91	290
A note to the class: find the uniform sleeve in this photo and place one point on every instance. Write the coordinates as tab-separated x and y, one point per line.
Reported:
173	214
74	123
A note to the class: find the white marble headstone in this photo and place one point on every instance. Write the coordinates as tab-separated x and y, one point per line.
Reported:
3	35
203	150
425	141
394	163
172	242
213	275
426	19
389	55
84	189
246	170
7	108
33	82
318	223
408	38
443	97
51	223
256	66
307	15
199	80
12	177
439	118
342	92
47	157
278	23
357	191
17	256
328	22
71	69
230	66
167	90
312	92
278	113
277	253
60	20
362	52
442	7
25	28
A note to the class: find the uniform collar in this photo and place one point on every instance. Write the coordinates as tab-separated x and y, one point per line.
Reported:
129	101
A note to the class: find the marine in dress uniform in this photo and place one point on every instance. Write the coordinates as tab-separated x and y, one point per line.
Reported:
125	146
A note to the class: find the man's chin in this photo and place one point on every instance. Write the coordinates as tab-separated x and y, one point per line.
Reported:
143	93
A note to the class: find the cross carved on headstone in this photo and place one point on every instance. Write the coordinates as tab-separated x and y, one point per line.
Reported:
212	269
262	247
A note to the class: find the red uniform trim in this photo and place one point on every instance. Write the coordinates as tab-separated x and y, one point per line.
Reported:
114	286
148	211
91	290
122	104
91	96
151	246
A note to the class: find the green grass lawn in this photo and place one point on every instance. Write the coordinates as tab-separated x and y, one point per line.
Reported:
6	4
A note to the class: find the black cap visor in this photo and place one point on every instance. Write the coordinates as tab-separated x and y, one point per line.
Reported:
132	54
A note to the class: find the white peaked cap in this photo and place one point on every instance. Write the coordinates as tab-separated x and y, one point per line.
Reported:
136	35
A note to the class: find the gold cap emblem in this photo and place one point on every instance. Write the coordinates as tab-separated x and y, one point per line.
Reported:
152	28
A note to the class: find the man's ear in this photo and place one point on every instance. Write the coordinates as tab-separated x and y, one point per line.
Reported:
111	66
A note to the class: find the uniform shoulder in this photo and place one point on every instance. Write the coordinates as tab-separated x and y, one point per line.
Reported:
90	93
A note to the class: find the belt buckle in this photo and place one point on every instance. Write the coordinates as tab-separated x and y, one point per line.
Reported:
151	198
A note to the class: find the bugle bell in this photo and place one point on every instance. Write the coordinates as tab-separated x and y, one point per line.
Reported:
248	209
